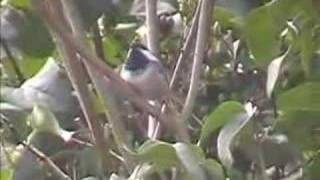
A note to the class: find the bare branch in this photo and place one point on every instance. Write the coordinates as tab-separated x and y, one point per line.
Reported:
118	128
75	72
205	22
152	26
43	158
188	45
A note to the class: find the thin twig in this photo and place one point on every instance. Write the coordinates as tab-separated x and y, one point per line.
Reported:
152	26
259	137
12	60
274	105
188	45
205	22
98	42
185	52
261	162
43	158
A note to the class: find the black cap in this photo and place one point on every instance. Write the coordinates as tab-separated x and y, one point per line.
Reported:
137	60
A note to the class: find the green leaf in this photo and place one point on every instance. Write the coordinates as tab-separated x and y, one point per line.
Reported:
313	168
6	174
307	47
43	120
273	72
113	50
36	40
31	65
25	4
226	112
263	26
191	160
261	32
300	114
161	154
214	169
229	131
227	18
305	97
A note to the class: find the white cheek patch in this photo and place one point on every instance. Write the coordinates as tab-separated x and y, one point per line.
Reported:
137	77
125	74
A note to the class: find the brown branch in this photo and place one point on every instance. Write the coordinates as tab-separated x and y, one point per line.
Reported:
205	22
100	84
43	158
152	26
188	45
75	72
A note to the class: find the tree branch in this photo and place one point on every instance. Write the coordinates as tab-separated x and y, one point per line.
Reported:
100	84
152	26
75	72
188	45
205	22
42	157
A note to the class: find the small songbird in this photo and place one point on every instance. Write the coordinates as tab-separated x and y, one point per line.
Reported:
145	71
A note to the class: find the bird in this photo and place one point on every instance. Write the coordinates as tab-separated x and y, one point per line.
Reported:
145	72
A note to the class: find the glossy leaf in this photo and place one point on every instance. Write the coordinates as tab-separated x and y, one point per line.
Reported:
263	26
31	65
305	97
261	32
191	161
51	88
161	154
42	120
307	46
229	131
224	113
227	18
214	169
300	114
273	73
36	40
